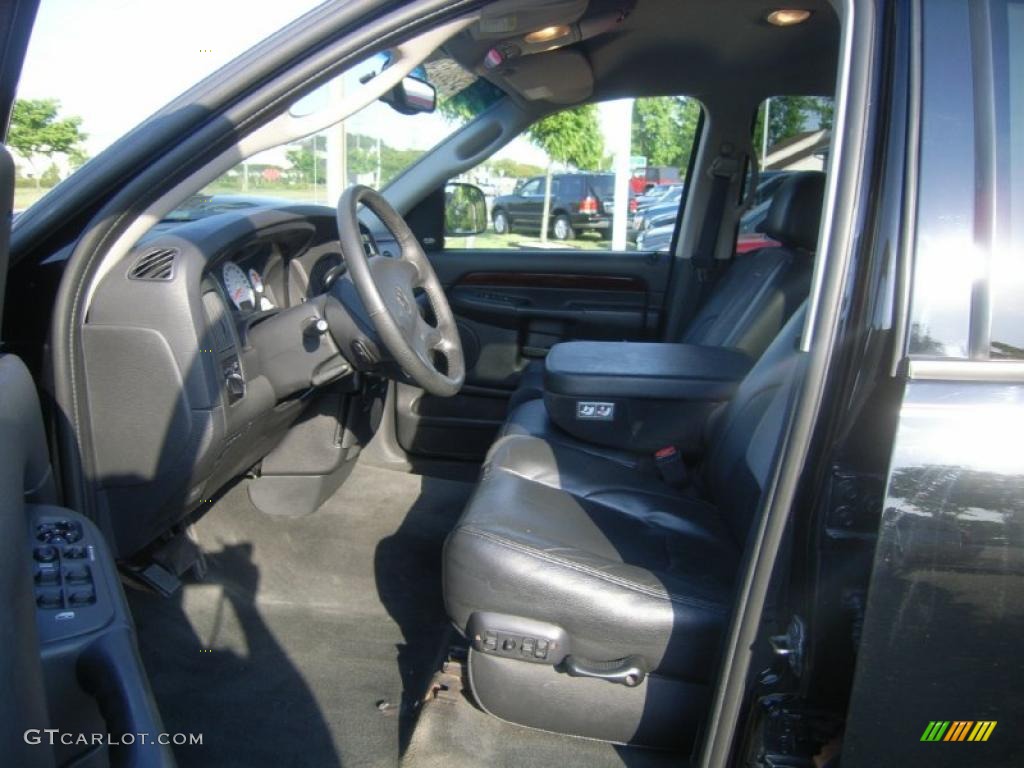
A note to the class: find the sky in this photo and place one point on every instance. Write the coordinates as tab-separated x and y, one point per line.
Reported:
115	62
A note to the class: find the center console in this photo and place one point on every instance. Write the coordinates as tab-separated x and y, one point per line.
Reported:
639	396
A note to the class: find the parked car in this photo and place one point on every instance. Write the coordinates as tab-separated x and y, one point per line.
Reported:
665	193
659	239
655	215
580	203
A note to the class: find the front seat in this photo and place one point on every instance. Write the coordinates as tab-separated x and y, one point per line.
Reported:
594	597
758	292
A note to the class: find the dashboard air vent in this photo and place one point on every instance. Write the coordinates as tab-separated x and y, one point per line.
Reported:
154	265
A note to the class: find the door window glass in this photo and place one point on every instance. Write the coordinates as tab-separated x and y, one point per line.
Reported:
1007	330
969	256
791	134
530	189
579	147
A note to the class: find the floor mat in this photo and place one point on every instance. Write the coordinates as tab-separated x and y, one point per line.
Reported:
452	732
311	640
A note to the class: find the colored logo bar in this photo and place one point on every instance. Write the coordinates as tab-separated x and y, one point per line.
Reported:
959	730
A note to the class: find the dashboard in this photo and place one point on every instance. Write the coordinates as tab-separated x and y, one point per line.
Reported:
202	356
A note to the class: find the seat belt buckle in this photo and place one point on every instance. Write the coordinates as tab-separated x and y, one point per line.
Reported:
670	466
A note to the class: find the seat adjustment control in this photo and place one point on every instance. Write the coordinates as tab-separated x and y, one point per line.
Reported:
517	638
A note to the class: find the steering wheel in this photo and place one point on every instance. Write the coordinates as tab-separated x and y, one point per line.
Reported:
386	285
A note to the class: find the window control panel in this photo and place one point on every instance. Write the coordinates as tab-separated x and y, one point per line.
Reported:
517	638
70	587
62	573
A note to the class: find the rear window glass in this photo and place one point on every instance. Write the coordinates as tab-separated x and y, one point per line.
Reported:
603	185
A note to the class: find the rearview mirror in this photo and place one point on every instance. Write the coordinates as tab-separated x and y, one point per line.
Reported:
465	210
411	96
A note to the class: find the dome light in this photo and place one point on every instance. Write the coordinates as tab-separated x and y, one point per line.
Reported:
788	17
547	34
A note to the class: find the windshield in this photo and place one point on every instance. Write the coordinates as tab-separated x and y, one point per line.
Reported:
371	147
87	81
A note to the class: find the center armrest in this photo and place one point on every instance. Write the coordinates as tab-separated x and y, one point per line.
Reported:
639	396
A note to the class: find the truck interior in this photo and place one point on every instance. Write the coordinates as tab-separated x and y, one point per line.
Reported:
405	504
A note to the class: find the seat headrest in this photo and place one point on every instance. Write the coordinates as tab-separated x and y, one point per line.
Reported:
794	216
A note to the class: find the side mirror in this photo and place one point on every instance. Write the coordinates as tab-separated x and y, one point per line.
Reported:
411	96
465	210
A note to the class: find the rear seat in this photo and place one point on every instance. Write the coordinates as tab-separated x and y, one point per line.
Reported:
758	292
576	543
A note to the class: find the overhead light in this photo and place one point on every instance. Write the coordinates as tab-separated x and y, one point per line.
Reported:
547	34
787	17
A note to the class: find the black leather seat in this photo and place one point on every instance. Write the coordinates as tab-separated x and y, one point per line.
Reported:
591	543
759	291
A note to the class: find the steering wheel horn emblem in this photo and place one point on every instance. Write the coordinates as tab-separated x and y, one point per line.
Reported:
403	300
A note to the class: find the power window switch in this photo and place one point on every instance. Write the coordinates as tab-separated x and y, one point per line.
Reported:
82	597
45	554
491	641
528	646
77	575
49	599
48	577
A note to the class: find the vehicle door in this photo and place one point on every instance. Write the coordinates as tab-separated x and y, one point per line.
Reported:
938	677
529	204
68	656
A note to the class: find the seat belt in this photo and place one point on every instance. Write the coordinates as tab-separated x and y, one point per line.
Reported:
722	172
702	263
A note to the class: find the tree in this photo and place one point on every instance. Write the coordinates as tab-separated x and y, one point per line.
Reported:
664	128
463	106
572	137
792	115
36	130
513	169
301	158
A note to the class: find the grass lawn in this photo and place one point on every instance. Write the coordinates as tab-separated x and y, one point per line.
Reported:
26	196
516	241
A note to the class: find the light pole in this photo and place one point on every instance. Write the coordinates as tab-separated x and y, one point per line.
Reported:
764	131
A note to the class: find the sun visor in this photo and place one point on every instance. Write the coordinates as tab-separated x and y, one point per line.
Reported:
561	77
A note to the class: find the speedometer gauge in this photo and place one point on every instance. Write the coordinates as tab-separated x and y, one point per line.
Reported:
238	287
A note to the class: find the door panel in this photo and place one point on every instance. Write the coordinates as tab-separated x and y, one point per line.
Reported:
68	657
511	307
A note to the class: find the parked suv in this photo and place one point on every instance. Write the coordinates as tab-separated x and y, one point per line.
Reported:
580	202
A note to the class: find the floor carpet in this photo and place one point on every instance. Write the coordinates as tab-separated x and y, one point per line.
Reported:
311	641
457	733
